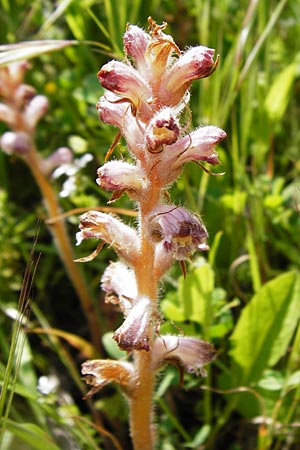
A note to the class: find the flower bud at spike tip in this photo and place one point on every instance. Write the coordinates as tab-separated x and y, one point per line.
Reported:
135	45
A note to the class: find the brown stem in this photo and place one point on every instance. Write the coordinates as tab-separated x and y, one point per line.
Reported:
141	403
61	239
141	416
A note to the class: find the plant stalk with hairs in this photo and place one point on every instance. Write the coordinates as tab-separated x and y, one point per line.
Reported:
145	97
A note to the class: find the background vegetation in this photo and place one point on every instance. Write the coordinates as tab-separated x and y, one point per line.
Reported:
244	297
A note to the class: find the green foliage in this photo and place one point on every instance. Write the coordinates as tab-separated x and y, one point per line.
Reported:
244	296
271	316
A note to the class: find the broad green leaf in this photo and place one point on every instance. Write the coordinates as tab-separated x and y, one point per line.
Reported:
280	92
195	293
272	380
294	380
172	311
35	436
265	327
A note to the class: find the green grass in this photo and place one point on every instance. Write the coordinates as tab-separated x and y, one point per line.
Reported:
249	305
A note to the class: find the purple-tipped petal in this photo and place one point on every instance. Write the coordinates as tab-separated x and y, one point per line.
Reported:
122	176
180	232
133	334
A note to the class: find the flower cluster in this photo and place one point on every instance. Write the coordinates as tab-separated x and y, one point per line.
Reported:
145	97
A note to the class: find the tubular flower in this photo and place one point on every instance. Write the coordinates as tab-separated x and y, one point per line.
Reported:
123	238
119	176
199	145
98	373
184	352
180	232
125	81
119	284
133	334
196	63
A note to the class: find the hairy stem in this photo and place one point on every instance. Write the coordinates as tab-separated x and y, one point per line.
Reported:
141	404
141	415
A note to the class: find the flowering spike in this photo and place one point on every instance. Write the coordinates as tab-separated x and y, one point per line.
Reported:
145	97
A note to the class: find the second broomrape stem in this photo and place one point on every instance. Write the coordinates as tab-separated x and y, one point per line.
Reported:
62	242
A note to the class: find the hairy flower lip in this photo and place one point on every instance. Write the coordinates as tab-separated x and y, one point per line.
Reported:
180	232
185	352
111	110
163	129
136	41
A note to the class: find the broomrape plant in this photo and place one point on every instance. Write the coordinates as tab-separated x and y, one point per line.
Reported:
145	97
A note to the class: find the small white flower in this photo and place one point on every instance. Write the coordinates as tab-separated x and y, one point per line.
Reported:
71	170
